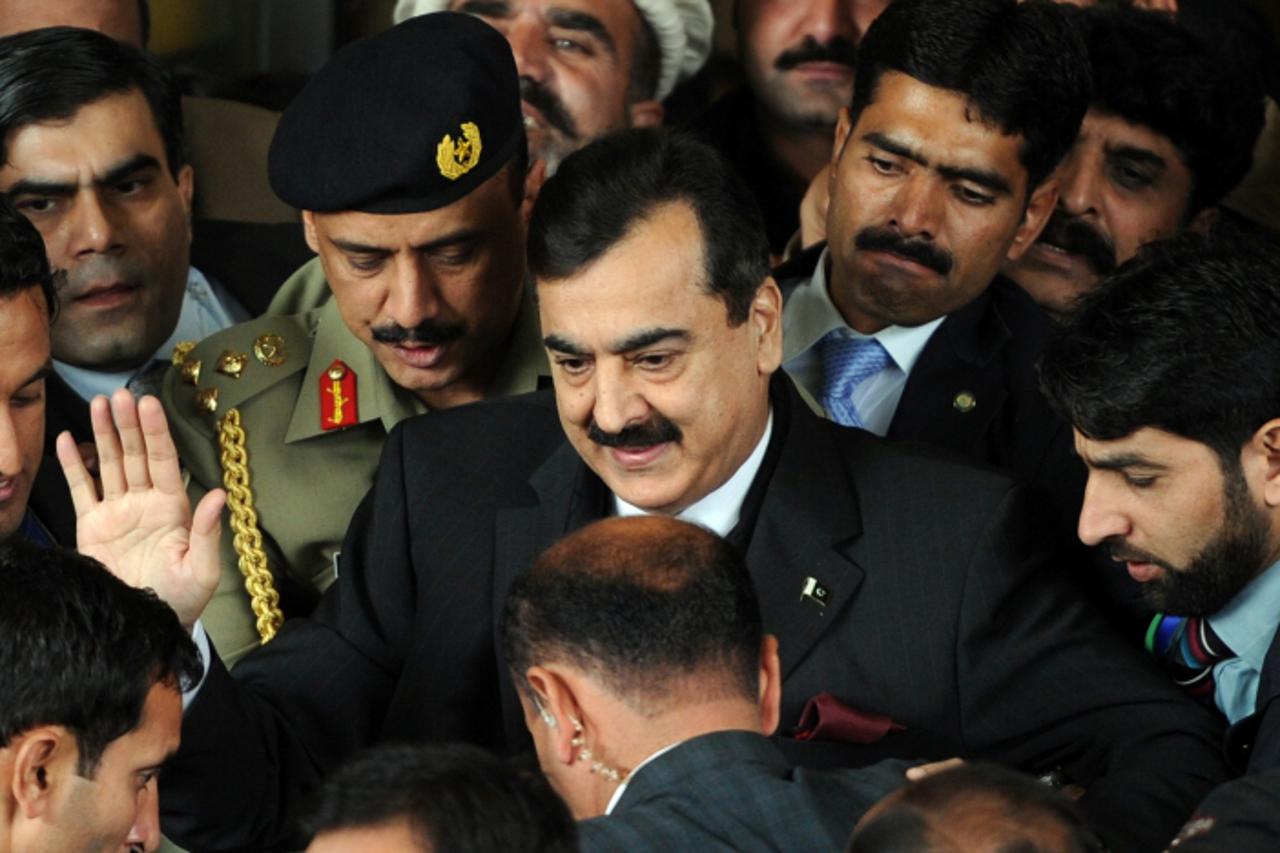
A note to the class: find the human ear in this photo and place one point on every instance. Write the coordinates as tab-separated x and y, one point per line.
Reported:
1039	207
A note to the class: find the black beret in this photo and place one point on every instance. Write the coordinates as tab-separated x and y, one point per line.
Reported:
410	119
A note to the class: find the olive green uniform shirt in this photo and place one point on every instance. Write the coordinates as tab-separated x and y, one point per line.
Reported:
306	482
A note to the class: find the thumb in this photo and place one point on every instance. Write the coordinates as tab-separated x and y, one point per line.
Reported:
206	532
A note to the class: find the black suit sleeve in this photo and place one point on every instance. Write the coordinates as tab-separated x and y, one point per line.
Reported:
1044	682
256	745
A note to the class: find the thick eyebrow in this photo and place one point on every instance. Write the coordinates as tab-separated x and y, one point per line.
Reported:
639	340
1135	154
982	177
465	235
583	22
486	8
42	372
1123	461
564	345
113	175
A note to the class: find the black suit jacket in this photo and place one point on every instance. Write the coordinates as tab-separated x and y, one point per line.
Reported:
735	791
989	348
938	614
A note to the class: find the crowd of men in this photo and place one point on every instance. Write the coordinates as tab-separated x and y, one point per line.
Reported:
886	458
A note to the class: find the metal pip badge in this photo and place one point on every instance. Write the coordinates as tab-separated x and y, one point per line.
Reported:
455	159
338	397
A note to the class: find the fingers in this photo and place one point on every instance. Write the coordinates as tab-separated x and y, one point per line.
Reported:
84	493
110	455
165	471
125	411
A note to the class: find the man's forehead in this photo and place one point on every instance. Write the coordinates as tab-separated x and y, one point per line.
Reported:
102	133
1144	446
1106	128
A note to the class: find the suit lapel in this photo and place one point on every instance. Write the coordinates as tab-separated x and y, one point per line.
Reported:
807	523
563	496
956	388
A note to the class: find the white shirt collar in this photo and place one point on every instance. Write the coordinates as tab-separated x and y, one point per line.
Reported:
207	307
617	795
718	511
810	314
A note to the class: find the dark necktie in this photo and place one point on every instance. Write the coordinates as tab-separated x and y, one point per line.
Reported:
1189	648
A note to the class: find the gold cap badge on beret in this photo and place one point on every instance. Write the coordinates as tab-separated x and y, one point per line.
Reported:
455	159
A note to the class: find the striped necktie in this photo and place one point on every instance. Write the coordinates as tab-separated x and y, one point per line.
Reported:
1189	647
847	363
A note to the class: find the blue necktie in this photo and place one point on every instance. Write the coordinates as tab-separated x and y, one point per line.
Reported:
846	363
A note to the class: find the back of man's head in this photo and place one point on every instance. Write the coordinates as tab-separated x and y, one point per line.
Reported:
23	263
1181	338
442	797
49	74
1022	65
974	808
604	190
81	649
654	609
1149	70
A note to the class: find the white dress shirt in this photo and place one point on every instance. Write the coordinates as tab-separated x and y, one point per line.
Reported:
207	307
810	314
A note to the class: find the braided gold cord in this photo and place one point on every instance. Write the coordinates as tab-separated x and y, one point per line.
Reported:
264	599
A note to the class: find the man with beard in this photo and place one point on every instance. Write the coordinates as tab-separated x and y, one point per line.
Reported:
896	325
1169	132
415	196
1170	375
590	67
798	58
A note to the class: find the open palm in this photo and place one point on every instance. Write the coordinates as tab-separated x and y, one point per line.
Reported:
141	526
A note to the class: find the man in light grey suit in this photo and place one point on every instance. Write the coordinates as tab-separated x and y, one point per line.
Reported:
648	684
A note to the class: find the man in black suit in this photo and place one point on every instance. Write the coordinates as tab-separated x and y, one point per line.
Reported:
913	612
941	169
94	157
649	687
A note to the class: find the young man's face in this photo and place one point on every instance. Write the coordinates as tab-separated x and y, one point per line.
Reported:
798	55
1121	186
1191	533
658	393
24	363
575	59
927	200
99	189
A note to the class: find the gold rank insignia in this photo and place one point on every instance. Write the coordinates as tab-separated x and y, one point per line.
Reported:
190	371
231	363
455	159
338	397
181	350
269	349
207	400
965	402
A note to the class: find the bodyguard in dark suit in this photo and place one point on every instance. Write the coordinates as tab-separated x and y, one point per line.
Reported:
648	685
910	602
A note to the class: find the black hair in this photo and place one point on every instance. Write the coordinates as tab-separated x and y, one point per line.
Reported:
144	21
1150	70
646	63
1022	66
23	262
639	612
605	189
82	649
1034	818
454	797
1182	338
49	74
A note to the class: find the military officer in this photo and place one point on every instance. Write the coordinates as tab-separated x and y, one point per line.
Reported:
408	158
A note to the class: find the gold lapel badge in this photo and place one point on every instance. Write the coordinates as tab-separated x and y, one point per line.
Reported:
190	371
207	400
232	363
269	349
965	402
181	350
455	159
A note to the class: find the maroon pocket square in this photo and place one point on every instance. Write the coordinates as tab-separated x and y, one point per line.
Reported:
827	718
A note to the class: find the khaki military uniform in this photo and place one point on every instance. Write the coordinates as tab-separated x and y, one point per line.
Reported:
305	481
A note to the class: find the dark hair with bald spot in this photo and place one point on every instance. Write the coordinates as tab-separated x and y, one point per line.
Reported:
642	605
974	808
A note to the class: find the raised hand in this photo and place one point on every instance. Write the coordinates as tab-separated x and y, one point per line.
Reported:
141	527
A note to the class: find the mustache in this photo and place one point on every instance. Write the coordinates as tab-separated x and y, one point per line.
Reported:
839	50
1079	237
656	430
549	104
95	269
922	252
427	333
